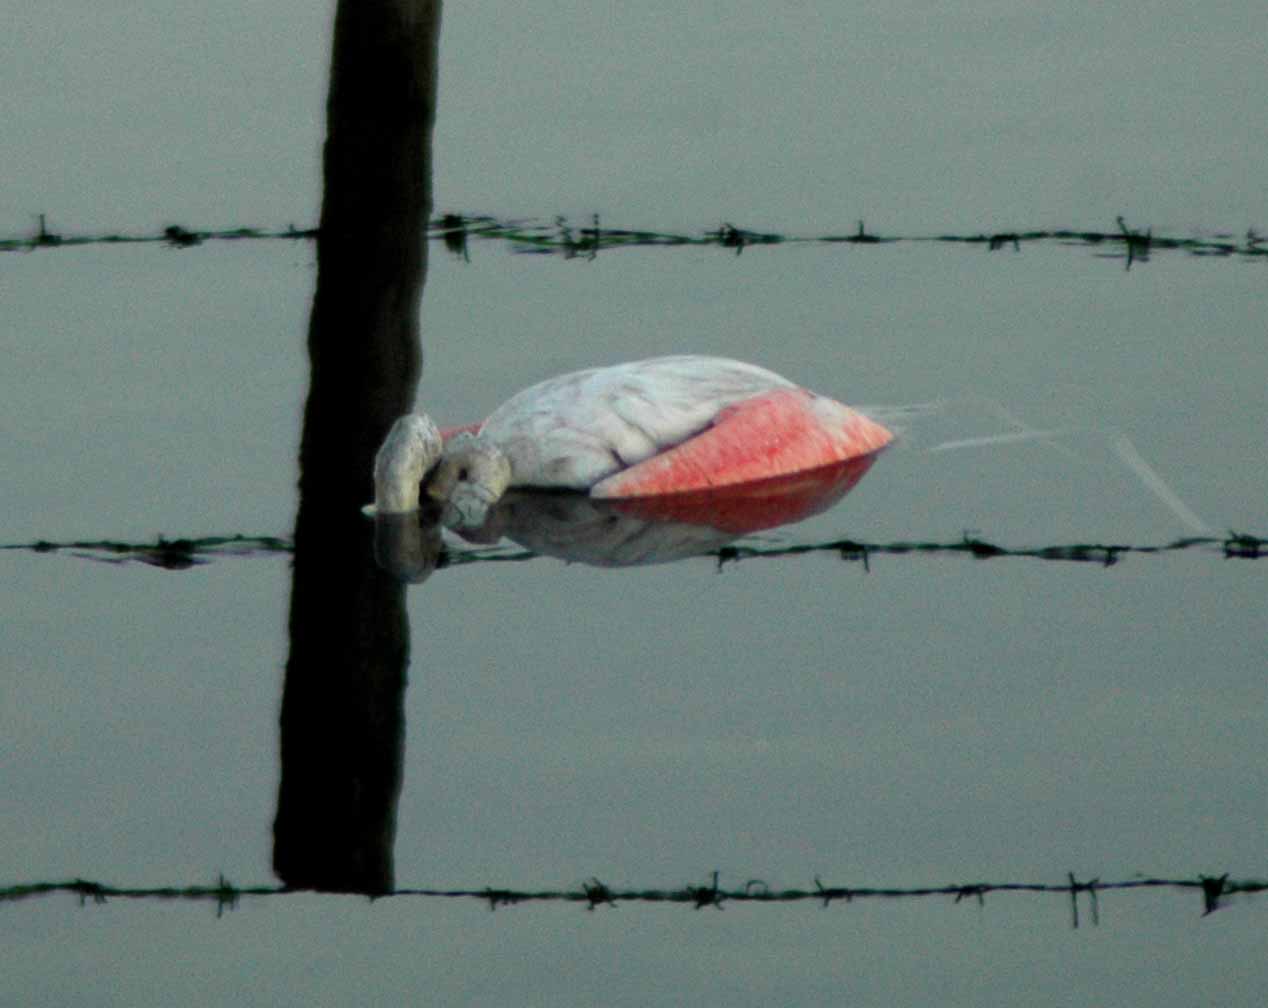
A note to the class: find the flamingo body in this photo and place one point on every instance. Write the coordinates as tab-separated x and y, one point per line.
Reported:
672	425
668	425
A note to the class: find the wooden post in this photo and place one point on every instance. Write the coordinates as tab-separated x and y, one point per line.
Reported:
342	722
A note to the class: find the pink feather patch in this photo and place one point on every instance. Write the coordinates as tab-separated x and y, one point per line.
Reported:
778	433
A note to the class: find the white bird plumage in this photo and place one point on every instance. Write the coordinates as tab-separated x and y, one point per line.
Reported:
573	430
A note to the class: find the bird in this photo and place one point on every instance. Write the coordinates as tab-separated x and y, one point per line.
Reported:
666	425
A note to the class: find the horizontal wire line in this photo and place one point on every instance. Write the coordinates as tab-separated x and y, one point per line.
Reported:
594	893
182	553
561	237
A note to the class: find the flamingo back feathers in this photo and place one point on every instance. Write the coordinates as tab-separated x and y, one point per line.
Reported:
575	430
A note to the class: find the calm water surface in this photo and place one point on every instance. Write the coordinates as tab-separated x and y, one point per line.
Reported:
933	719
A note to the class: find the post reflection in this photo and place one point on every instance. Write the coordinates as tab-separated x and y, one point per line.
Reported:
342	712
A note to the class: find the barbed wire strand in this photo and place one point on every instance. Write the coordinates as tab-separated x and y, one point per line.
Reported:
185	552
593	893
561	238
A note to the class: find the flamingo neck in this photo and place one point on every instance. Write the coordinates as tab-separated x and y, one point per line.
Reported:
395	496
411	448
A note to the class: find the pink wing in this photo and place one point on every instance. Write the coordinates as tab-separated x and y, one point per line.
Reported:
784	431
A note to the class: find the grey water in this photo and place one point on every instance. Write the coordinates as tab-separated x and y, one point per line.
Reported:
931	719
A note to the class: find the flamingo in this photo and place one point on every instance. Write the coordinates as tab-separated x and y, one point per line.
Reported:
667	425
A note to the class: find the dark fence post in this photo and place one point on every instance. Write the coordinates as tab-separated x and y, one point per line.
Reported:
342	720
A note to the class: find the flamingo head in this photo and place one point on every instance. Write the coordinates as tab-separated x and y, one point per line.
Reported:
412	447
469	479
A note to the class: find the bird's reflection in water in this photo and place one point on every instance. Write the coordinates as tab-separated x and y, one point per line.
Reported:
622	532
408	546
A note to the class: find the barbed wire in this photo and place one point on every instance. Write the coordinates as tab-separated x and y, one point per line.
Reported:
170	554
562	238
183	553
1234	545
593	893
